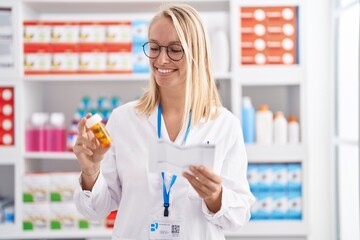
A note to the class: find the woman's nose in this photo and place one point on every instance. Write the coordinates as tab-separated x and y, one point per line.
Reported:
163	57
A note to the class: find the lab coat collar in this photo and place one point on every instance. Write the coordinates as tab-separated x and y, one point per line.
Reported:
164	134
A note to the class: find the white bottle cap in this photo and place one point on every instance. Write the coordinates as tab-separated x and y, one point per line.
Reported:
39	119
94	119
57	119
246	101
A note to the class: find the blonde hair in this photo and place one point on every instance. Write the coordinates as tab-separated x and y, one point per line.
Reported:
201	93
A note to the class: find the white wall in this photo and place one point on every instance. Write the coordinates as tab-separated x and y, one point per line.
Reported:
318	103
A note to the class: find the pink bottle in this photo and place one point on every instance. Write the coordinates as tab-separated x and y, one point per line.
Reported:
56	133
35	139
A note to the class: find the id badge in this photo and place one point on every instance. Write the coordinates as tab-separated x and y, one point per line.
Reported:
166	228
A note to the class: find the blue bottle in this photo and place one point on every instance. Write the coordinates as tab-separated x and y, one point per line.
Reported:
248	120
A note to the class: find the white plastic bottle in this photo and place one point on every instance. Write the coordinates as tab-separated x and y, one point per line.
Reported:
280	129
264	125
36	132
56	133
293	130
220	51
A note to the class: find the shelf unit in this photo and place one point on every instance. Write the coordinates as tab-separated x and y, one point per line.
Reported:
287	82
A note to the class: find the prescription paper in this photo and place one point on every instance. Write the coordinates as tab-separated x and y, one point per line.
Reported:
168	157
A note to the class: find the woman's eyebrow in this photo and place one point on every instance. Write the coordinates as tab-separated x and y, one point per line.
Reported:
171	42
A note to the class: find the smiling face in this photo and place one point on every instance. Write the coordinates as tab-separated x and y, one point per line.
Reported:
169	74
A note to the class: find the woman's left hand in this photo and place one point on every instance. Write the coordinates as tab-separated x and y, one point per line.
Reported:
207	184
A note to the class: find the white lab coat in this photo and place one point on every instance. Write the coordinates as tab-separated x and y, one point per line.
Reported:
126	185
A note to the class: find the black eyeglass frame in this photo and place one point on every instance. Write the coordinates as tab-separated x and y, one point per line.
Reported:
167	50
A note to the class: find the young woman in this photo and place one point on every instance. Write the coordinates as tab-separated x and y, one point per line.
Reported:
182	105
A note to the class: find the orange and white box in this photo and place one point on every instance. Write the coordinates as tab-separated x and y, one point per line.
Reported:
92	58
65	32
92	32
118	32
269	35
65	58
37	32
37	59
119	58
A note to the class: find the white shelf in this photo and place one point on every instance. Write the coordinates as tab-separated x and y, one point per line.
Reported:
101	77
118	6
275	153
9	156
272	228
7	229
63	234
270	75
86	77
50	155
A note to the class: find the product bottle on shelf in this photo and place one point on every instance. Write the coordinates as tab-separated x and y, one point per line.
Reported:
115	102
35	136
73	132
56	133
248	120
264	125
221	55
293	130
280	129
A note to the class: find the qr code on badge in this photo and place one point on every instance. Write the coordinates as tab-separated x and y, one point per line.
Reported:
175	228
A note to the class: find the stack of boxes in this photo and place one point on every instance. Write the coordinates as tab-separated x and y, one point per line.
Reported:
85	47
48	203
269	35
277	188
6	116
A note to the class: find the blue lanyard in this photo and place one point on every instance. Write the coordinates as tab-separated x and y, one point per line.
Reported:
166	194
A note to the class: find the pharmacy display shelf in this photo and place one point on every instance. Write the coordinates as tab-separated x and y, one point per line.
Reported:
275	153
283	229
50	155
36	93
62	234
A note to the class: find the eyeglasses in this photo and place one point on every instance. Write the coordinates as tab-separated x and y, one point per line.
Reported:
174	51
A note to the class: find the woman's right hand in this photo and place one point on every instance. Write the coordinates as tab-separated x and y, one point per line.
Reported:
88	150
